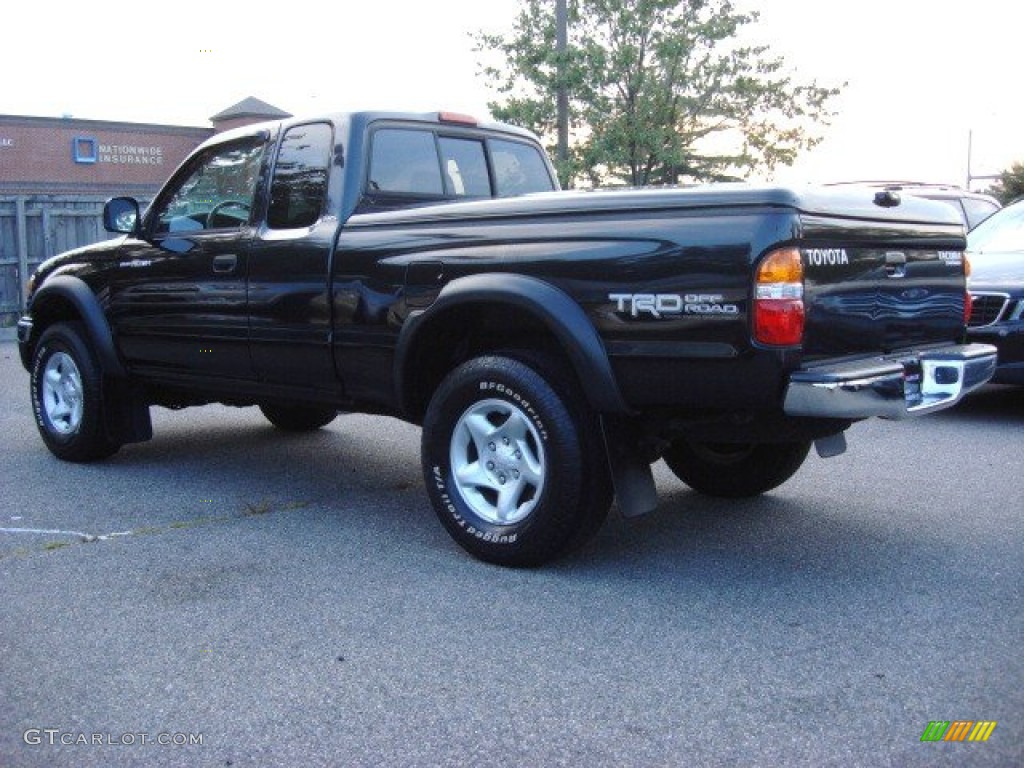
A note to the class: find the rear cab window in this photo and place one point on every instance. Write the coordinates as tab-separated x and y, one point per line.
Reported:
518	168
416	165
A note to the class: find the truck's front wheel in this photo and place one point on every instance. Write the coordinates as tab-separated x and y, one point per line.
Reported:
512	461
735	470
67	395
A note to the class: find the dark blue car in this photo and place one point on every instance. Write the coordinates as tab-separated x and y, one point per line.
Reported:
996	252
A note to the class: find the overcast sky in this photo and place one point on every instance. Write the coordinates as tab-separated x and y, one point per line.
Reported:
921	74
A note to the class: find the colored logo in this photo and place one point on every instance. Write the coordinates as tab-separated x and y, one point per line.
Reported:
83	150
958	730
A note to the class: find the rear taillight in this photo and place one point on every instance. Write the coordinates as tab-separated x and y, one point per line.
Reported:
968	299
779	299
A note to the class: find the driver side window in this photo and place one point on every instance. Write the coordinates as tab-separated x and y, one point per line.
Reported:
218	193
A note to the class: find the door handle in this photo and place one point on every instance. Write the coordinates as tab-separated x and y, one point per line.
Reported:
896	270
226	262
896	264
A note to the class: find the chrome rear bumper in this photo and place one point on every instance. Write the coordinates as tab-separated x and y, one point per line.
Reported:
891	387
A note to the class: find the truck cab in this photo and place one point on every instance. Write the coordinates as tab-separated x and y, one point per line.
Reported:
223	278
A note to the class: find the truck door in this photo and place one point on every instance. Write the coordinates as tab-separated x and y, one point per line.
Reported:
289	268
177	295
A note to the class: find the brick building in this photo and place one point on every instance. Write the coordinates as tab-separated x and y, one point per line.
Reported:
55	174
62	156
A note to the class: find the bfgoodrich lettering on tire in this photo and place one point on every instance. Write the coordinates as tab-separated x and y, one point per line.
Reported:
513	460
67	394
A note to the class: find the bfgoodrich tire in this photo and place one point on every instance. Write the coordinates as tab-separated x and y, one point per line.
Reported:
67	395
513	460
298	418
735	470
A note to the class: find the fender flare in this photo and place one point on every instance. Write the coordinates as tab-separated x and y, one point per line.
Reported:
562	315
77	292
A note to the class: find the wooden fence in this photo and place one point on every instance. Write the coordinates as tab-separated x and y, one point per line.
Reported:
35	227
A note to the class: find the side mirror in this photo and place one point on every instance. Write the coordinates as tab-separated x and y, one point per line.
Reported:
121	214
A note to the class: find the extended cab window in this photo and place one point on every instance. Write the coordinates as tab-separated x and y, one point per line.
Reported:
299	187
217	193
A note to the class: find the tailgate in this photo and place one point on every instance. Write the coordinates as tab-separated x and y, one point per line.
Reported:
875	286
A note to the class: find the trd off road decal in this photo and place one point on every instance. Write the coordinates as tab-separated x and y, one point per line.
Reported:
661	305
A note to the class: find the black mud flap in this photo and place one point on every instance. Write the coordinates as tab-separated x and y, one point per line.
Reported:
125	412
631	474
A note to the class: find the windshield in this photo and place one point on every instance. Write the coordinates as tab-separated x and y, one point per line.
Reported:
1002	231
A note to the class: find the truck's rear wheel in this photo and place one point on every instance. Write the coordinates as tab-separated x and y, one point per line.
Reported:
735	470
513	461
298	418
67	395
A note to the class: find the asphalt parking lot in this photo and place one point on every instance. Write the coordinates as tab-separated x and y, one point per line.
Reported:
257	599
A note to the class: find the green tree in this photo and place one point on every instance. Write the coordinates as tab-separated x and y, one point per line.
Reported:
661	91
1010	184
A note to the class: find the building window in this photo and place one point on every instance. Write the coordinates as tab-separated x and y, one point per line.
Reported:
84	150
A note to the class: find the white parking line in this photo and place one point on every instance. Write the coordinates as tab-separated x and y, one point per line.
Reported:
79	534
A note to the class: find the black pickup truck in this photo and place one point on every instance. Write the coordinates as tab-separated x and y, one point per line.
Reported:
551	344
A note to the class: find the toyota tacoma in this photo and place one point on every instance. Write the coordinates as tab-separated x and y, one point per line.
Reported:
552	345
